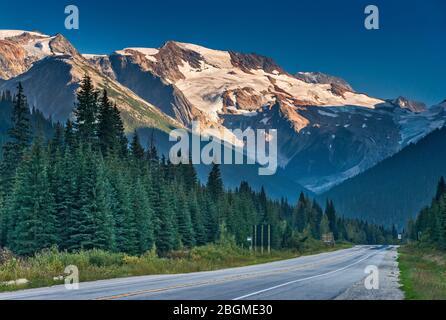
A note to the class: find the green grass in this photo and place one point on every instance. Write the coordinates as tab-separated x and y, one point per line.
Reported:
41	269
423	273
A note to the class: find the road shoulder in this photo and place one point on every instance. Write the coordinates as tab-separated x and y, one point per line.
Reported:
389	283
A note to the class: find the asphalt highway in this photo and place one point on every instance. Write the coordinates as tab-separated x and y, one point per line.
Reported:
319	277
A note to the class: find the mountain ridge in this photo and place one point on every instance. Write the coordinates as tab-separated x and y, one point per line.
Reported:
329	132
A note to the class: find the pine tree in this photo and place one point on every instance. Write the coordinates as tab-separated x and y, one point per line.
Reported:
441	189
106	132
86	111
441	216
69	135
215	183
136	150
325	225
79	232
13	152
100	208
184	221
330	212
57	141
163	217
152	153
125	218
32	205
118	129
143	213
197	220
300	214
19	140
64	186
210	216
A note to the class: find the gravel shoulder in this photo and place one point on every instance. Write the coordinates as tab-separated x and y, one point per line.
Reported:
389	282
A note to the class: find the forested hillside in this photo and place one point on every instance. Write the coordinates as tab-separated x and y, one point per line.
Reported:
87	187
397	188
39	124
430	225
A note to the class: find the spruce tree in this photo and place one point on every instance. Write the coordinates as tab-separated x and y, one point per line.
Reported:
118	129
86	111
330	211
210	216
80	222
197	220
106	132
184	221
441	189
163	217
143	213
299	217
215	183
32	205
19	140
69	135
124	216
13	151
136	150
100	208
152	153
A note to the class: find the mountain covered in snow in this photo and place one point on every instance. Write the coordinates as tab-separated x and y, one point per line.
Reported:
50	69
327	131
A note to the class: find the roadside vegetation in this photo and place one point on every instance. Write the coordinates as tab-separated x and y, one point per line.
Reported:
47	267
423	260
423	272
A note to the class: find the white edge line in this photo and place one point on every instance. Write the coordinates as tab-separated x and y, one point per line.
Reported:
304	279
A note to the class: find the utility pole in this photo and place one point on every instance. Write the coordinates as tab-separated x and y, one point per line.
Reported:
261	239
269	239
255	238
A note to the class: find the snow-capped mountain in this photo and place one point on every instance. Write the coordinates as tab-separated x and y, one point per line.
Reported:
50	69
327	131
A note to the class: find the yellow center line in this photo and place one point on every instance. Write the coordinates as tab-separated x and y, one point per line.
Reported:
226	279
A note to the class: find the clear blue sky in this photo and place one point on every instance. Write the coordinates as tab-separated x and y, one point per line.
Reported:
405	57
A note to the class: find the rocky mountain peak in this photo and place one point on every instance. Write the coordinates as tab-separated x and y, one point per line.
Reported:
253	61
411	105
19	50
339	85
60	45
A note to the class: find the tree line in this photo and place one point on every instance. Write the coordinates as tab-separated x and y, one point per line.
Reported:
88	187
430	225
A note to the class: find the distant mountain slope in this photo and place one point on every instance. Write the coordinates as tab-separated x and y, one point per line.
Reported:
40	125
396	188
50	69
327	131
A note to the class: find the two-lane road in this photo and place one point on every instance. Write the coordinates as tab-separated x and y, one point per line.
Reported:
318	277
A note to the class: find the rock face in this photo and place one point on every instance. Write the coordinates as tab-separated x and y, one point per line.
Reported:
321	78
18	51
404	103
327	131
51	70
